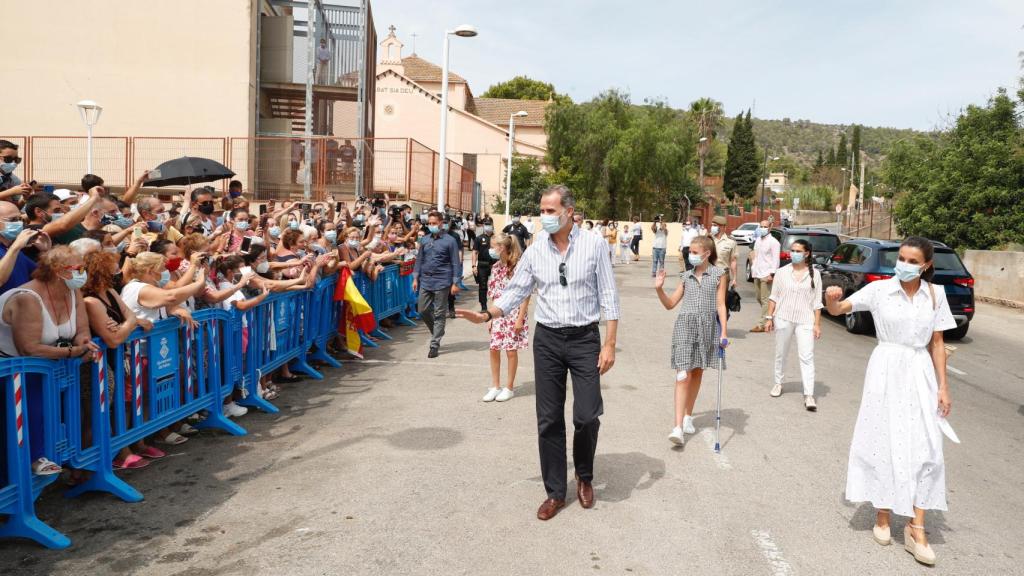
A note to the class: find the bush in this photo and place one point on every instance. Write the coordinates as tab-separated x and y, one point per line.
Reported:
811	198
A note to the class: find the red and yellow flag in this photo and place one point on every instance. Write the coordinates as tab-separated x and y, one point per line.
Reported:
357	314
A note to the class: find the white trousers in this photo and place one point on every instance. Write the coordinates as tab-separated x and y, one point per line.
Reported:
784	332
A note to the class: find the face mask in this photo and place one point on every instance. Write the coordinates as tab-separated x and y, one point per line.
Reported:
77	280
421	239
433	229
121	246
243	226
173	264
761	232
798	257
907	272
552	223
493	253
444	226
122	222
8	167
275	232
165	277
12	230
714	230
263	267
55	216
300	253
488	229
687	225
294	224
162	217
111	249
359	219
331	236
107	219
695	260
206	208
234	193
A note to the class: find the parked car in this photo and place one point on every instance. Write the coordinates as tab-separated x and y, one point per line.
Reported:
860	261
822	241
745	233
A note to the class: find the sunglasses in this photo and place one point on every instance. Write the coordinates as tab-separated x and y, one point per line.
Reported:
15	159
561	275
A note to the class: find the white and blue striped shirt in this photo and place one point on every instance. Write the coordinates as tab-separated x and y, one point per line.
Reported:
590	285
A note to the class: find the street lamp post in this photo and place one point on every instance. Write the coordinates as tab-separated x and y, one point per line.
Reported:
511	150
90	112
764	179
464	31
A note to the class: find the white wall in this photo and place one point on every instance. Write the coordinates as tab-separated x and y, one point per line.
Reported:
158	68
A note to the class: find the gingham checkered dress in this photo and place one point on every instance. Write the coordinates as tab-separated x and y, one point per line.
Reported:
695	337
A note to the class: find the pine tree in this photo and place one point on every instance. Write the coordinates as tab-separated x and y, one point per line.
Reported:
747	171
820	161
855	151
731	158
831	157
842	154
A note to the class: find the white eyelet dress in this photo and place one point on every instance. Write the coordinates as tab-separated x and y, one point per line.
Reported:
896	459
695	337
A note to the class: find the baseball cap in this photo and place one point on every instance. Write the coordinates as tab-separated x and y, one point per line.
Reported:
64	194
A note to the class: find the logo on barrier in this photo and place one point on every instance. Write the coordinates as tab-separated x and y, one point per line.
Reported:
164	350
167	363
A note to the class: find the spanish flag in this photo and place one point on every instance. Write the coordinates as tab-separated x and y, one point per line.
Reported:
357	314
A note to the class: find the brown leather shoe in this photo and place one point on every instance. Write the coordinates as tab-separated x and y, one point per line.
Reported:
757	329
584	493
549	508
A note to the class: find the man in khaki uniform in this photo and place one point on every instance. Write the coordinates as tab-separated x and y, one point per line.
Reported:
725	247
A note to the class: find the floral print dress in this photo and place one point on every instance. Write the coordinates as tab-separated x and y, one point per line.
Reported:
502	335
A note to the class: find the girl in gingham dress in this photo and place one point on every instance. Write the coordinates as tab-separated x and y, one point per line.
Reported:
697	336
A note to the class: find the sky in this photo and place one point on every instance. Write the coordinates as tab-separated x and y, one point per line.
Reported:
898	63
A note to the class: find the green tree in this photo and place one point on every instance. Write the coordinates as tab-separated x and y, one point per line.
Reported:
967	188
729	186
748	168
831	157
855	152
528	181
706	114
819	162
842	154
524	88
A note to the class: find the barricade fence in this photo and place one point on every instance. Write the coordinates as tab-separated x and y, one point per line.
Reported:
269	167
80	414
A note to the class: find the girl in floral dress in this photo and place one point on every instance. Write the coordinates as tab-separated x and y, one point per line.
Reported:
508	333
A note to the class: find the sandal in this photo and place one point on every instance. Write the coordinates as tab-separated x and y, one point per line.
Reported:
131	463
44	467
172	439
186	429
151	452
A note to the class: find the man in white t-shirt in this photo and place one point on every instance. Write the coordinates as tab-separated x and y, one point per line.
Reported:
636	235
689	233
528	222
323	62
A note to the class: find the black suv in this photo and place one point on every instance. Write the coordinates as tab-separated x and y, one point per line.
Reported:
822	241
859	261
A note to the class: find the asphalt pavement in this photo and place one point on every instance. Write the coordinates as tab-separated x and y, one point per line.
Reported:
393	466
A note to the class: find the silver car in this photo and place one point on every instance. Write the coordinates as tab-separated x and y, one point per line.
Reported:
744	234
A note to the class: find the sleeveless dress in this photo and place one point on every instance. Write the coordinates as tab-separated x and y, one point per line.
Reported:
502	335
695	337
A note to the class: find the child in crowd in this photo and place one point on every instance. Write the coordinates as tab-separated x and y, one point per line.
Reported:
509	332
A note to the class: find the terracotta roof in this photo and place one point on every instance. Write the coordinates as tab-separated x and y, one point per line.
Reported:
419	70
497	110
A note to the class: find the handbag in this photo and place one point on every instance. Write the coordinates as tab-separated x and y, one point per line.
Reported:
732	300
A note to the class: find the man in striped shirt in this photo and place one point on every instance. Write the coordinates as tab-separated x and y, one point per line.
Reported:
572	275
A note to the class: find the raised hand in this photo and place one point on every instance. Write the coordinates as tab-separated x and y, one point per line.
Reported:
659	280
833	294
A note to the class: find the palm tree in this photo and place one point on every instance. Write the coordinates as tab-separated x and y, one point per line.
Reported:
707	113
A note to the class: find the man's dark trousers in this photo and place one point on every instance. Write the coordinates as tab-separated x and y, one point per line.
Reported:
483	276
432	308
556	352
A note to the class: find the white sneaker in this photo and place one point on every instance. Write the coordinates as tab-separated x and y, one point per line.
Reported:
776	391
688	427
492	393
676	437
505	394
232	410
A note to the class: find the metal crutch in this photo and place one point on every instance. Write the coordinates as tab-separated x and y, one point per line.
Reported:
718	409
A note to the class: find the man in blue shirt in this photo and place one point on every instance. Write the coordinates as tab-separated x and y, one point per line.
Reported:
436	275
15	268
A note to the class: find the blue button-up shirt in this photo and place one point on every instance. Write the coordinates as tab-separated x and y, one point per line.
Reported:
438	265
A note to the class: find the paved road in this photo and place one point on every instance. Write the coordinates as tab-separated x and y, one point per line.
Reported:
393	466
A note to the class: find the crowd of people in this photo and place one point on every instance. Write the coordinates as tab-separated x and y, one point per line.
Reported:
82	264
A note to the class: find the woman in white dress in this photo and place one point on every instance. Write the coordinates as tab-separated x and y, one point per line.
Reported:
896	460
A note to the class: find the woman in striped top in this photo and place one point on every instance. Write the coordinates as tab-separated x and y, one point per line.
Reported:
794	308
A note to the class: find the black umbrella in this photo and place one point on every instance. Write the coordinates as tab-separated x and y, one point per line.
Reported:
187	170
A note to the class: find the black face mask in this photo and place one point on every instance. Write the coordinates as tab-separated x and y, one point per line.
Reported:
206	208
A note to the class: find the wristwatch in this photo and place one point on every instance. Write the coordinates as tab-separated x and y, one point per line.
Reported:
489	315
769	317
